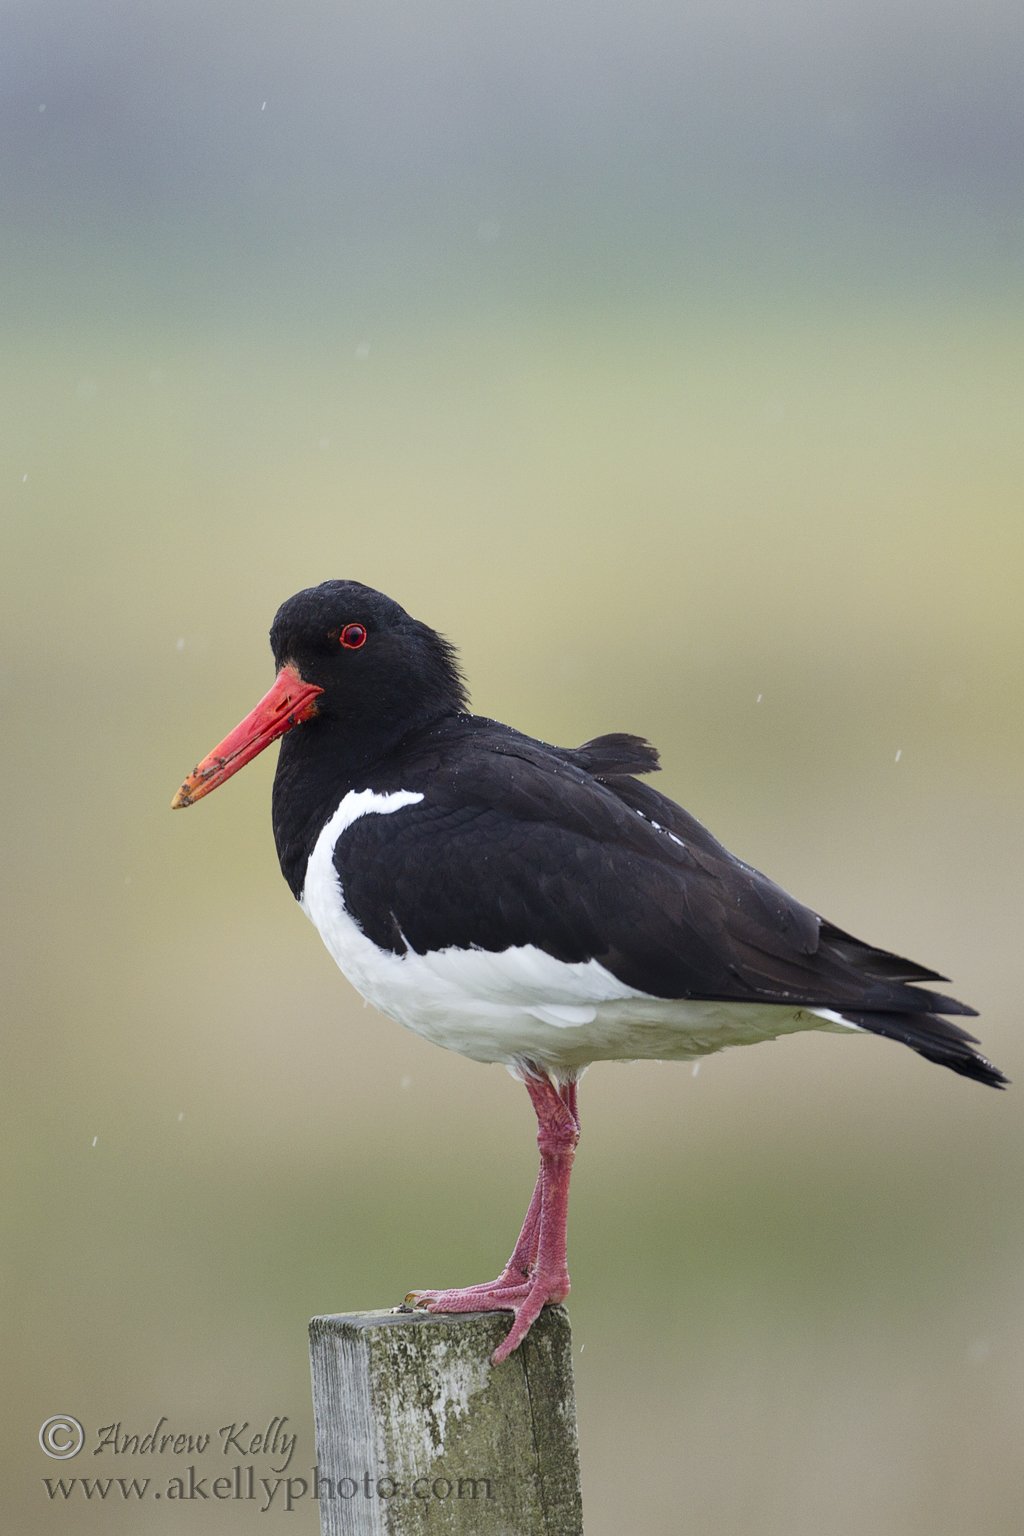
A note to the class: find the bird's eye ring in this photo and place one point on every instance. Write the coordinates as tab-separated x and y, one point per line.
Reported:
353	636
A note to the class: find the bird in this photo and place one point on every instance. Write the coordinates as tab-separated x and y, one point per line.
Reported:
530	905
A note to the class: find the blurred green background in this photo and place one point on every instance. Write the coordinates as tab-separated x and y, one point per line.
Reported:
669	359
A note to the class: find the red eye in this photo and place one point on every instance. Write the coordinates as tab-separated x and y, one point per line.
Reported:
353	636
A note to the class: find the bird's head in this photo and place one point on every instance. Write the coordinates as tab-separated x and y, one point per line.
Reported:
346	655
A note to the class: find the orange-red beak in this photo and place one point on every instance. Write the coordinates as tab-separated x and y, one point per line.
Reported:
289	702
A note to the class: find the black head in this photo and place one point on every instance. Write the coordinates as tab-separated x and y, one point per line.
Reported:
373	662
355	674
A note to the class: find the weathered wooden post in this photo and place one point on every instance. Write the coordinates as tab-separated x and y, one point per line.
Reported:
416	1430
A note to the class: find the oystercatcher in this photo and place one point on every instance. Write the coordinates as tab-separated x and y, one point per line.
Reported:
533	905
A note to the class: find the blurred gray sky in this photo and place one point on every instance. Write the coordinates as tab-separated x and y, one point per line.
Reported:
366	149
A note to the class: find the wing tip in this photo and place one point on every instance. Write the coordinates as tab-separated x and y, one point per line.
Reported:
934	1038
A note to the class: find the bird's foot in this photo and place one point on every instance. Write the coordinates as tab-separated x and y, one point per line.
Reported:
510	1277
524	1296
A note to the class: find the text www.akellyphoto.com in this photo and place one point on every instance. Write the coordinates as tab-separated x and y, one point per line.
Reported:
242	1484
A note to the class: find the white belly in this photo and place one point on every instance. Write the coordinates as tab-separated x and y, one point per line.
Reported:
520	1003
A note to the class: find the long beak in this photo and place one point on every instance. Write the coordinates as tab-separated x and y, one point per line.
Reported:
289	702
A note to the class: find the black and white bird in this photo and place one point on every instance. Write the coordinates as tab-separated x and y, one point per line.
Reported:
533	905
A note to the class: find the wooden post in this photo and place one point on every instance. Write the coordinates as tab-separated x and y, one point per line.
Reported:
417	1432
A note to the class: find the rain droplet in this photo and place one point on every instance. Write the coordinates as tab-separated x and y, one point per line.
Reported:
95	1140
695	1069
899	754
759	698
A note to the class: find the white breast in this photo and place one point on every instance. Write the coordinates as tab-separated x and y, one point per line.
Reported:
323	899
520	1002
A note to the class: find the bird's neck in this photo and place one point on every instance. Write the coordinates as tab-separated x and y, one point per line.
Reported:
319	763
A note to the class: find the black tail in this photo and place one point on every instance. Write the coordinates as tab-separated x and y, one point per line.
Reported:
934	1038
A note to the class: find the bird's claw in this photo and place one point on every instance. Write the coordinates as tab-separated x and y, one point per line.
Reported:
524	1298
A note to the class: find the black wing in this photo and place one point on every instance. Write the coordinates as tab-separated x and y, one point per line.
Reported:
517	843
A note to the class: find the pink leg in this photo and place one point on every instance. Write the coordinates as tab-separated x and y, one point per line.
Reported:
536	1273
